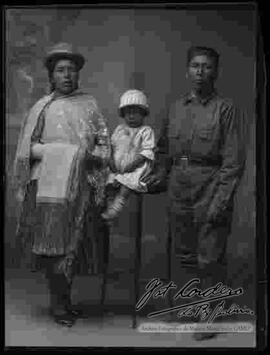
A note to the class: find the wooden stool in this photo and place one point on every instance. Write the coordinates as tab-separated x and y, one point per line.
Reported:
136	224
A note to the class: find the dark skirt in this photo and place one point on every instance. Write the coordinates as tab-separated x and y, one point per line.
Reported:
93	246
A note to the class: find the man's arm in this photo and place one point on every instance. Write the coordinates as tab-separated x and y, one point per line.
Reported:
233	161
162	163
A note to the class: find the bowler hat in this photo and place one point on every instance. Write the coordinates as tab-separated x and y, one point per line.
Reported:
63	51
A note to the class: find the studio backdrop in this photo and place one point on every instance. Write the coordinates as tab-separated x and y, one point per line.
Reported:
143	49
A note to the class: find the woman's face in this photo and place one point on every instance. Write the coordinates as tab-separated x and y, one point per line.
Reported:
65	77
134	116
202	71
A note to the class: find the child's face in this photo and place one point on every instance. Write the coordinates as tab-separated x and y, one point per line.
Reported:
134	116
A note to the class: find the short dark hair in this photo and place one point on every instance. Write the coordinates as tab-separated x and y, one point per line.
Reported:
199	50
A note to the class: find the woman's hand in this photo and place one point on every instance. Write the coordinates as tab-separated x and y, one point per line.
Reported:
20	195
66	266
112	165
37	150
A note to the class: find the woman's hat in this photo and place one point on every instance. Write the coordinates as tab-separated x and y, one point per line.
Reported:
134	97
63	51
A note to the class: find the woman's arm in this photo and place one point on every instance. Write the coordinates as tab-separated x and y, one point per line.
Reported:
37	147
112	163
97	136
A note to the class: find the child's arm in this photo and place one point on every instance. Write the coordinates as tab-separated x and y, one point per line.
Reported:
138	161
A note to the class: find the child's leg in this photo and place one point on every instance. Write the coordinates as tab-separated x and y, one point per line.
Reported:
117	204
124	191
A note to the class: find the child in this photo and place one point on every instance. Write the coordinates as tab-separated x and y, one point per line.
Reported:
133	146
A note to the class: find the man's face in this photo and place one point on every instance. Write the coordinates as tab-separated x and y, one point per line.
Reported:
65	76
202	71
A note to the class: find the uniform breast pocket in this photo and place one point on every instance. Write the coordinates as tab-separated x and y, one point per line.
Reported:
173	134
203	141
205	134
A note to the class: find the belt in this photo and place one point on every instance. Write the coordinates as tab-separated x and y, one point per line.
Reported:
184	161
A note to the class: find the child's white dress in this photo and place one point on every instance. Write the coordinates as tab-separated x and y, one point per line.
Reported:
127	142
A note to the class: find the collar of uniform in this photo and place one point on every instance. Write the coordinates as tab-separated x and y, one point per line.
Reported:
192	96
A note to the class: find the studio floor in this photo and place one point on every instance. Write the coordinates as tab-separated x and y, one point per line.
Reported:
27	322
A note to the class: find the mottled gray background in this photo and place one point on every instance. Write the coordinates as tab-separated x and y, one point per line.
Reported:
147	49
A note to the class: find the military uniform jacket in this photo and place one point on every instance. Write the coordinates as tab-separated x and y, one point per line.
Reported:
203	140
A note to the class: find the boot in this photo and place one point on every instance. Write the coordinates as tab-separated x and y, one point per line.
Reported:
60	298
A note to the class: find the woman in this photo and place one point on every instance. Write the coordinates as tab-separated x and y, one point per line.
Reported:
202	148
60	174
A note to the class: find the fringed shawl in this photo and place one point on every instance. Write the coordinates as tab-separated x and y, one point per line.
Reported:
21	173
94	131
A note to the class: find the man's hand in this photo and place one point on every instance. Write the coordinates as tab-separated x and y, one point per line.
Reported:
151	180
154	179
214	214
